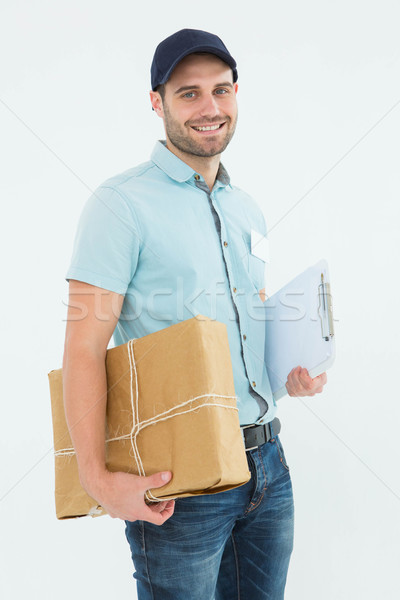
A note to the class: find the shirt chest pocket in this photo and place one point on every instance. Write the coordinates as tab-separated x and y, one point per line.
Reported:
254	264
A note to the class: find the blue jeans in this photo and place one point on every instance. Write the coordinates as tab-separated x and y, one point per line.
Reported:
231	545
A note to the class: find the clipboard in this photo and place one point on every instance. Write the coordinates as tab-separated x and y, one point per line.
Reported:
299	327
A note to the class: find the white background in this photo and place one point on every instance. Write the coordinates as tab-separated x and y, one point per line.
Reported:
318	136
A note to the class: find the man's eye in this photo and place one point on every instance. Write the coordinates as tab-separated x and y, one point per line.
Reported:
188	95
221	91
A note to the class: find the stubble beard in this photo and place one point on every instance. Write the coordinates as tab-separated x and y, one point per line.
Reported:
181	140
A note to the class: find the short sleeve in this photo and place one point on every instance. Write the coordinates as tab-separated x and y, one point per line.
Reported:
107	242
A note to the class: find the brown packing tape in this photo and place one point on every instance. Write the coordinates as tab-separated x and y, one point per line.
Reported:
171	405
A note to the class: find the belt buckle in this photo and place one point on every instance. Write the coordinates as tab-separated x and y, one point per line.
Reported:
244	440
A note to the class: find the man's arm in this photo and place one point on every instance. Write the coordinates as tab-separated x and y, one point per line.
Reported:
93	313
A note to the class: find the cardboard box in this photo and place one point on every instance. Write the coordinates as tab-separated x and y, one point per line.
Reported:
171	405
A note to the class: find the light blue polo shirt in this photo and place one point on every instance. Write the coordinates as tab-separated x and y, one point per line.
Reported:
157	235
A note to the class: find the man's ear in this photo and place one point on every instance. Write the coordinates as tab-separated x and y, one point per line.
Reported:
156	103
235	87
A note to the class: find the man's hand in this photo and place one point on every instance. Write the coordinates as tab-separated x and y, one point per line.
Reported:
299	383
122	496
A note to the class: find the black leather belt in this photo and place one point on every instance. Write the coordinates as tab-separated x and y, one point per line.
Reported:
256	435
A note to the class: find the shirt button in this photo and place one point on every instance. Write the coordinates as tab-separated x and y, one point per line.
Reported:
197	177
234	289
253	383
225	243
244	336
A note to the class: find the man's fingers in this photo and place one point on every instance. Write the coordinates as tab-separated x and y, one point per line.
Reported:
291	383
169	509
299	382
158	518
161	506
305	380
322	378
318	383
153	517
158	506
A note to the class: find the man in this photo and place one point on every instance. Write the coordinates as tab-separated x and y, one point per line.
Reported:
157	244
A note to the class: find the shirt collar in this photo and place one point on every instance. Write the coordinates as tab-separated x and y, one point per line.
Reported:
222	175
175	168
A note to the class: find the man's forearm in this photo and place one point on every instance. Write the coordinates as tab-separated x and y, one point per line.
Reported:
85	399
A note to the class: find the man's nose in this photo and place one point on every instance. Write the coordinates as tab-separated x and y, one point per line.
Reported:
209	106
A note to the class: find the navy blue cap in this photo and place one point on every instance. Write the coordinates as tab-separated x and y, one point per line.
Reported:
170	52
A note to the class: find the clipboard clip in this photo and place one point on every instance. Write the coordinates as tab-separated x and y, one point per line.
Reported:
325	309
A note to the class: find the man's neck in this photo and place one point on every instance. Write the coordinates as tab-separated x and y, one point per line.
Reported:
207	166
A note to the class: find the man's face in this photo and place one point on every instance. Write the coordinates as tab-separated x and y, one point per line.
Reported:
199	107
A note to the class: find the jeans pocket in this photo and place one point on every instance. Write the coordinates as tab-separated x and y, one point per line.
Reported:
281	452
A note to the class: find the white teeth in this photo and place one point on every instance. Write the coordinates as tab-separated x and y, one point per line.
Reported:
210	128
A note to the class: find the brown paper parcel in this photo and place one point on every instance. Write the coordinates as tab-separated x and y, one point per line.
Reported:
171	405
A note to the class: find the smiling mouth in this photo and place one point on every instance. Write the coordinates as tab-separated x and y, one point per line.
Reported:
208	127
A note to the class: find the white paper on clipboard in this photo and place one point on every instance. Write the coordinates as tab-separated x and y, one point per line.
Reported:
299	327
